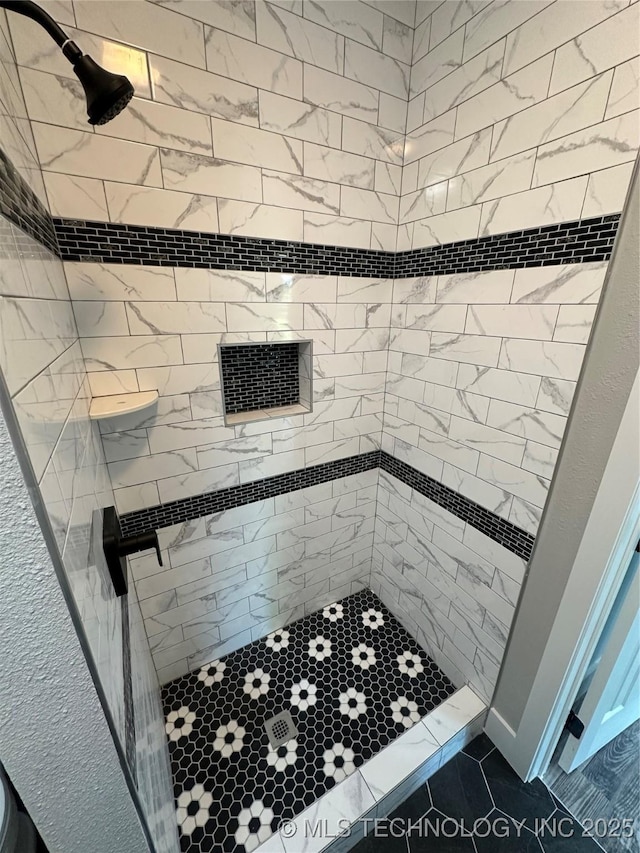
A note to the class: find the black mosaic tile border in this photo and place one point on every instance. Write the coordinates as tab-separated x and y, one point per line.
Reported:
499	529
259	376
21	206
186	509
568	242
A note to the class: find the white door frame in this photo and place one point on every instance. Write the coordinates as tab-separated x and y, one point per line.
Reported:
606	548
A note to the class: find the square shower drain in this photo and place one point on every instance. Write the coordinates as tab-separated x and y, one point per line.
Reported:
280	729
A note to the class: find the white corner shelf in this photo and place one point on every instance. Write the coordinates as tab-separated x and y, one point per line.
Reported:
121	404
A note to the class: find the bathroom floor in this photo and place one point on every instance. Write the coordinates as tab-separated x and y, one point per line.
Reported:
353	680
477	804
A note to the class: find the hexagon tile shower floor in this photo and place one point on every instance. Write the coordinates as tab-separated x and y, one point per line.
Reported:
353	680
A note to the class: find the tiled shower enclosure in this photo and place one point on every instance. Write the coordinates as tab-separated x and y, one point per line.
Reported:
426	196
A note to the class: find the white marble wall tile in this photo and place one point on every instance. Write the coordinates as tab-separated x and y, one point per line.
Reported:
329	164
53	99
556	360
293	191
238	18
369	140
492	287
530	487
555	395
496	20
536	322
512	174
573	109
134	351
95	319
198	482
551	28
375	69
161	208
505	98
364	204
202	285
167	318
499	384
247	62
448	227
539	459
260	220
208	176
525	515
355	21
76	198
392	112
106	383
461	156
438	63
203	92
167	410
160	30
338	94
608	144
608	44
179	379
481	489
566	284
529	423
90	155
472	349
271	317
574	323
99	281
189	434
300	120
300	38
623	96
494	442
471	78
557	202
429	137
607	190
336	230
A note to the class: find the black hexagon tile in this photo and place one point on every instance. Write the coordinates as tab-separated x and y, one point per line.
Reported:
353	680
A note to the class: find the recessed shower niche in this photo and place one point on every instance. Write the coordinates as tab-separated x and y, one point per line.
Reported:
265	380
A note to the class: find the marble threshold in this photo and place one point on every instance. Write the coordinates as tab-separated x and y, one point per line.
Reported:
345	814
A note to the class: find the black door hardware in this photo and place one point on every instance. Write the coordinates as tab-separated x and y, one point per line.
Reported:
117	547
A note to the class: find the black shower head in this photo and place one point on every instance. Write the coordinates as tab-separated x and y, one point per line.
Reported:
107	94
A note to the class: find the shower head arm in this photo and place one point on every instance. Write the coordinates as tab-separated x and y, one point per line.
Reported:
31	10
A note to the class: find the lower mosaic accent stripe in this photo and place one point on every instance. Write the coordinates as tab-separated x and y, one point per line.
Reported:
574	242
499	529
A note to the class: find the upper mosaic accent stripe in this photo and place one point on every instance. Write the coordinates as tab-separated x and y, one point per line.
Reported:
186	509
581	241
21	206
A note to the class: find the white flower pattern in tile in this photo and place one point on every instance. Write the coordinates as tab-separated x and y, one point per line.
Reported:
212	673
353	703
338	762
193	809
410	664
179	723
229	738
404	711
333	612
303	695
284	756
254	825
277	640
256	683
319	648
363	656
372	618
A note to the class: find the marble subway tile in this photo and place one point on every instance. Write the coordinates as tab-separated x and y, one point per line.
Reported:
299	120
364	204
100	281
557	202
292	191
198	482
440	61
189	434
607	144
574	323
524	321
295	36
253	64
472	349
607	190
448	227
361	23
578	107
505	98
260	220
97	319
154	467
423	203
539	459
171	318
336	230
118	353
340	95
237	18
75	198
480	488
369	140
202	285
431	136
496	20
511	175
202	92
544	358
329	164
566	284
89	155
623	96
179	379
555	395
209	176
461	156
471	78
500	384
373	68
484	439
161	208
530	487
